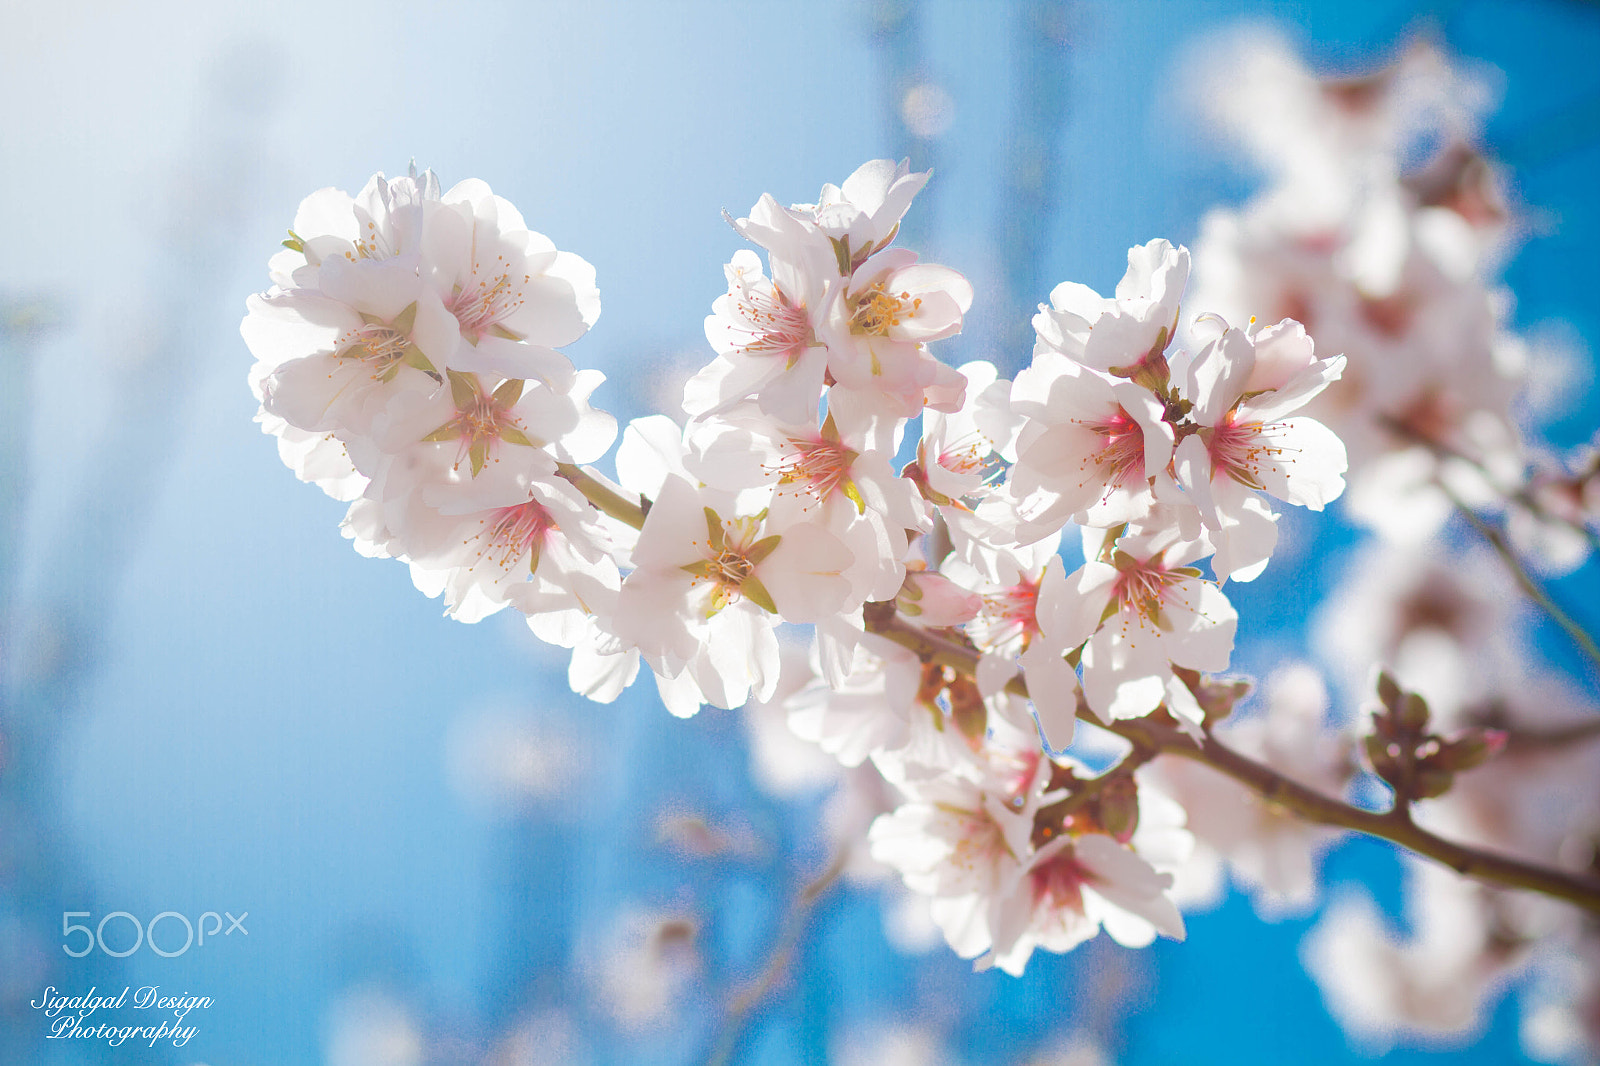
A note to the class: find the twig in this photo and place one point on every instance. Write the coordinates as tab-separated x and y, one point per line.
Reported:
1522	494
1502	548
605	499
1395	826
761	986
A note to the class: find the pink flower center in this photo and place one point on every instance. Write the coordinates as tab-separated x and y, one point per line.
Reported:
970	455
1239	449
482	305
775	327
1008	619
1143	587
514	532
1121	452
1058	882
815	467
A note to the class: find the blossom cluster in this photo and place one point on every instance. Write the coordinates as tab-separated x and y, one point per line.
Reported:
1383	226
406	363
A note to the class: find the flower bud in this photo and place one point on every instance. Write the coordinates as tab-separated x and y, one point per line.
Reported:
1472	748
1117	808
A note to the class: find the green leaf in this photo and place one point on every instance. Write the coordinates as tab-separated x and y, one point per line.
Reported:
702	568
533	559
294	243
463	389
479	453
762	548
841	252
714	531
757	594
497	330
512	435
449	431
509	392
413	357
406	320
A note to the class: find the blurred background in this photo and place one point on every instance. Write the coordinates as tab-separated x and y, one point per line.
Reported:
213	704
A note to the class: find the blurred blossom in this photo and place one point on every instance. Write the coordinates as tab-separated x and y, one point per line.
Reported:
365	1027
649	960
547	1038
891	1046
1269	852
1432	987
499	761
927	110
1441	623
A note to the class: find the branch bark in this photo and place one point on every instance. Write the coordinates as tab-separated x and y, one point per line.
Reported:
1154	735
1394	826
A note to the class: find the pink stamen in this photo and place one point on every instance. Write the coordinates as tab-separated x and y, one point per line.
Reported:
512	533
775	327
483	304
1121	453
815	468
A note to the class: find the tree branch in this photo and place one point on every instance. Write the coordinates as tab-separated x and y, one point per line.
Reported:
777	963
605	499
1394	826
1497	541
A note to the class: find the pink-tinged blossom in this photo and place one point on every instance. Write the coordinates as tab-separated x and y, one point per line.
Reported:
765	347
964	842
961	451
513	294
1242	386
1074	886
877	332
1128	332
1141	613
1090	450
710	586
864	213
511	535
816	476
1014	629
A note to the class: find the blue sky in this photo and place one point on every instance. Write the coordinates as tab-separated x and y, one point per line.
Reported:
267	715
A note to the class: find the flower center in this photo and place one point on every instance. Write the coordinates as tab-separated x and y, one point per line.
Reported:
877	310
1008	618
774	326
815	467
1058	882
1141	588
1121	451
515	532
483	305
381	347
729	565
1239	448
